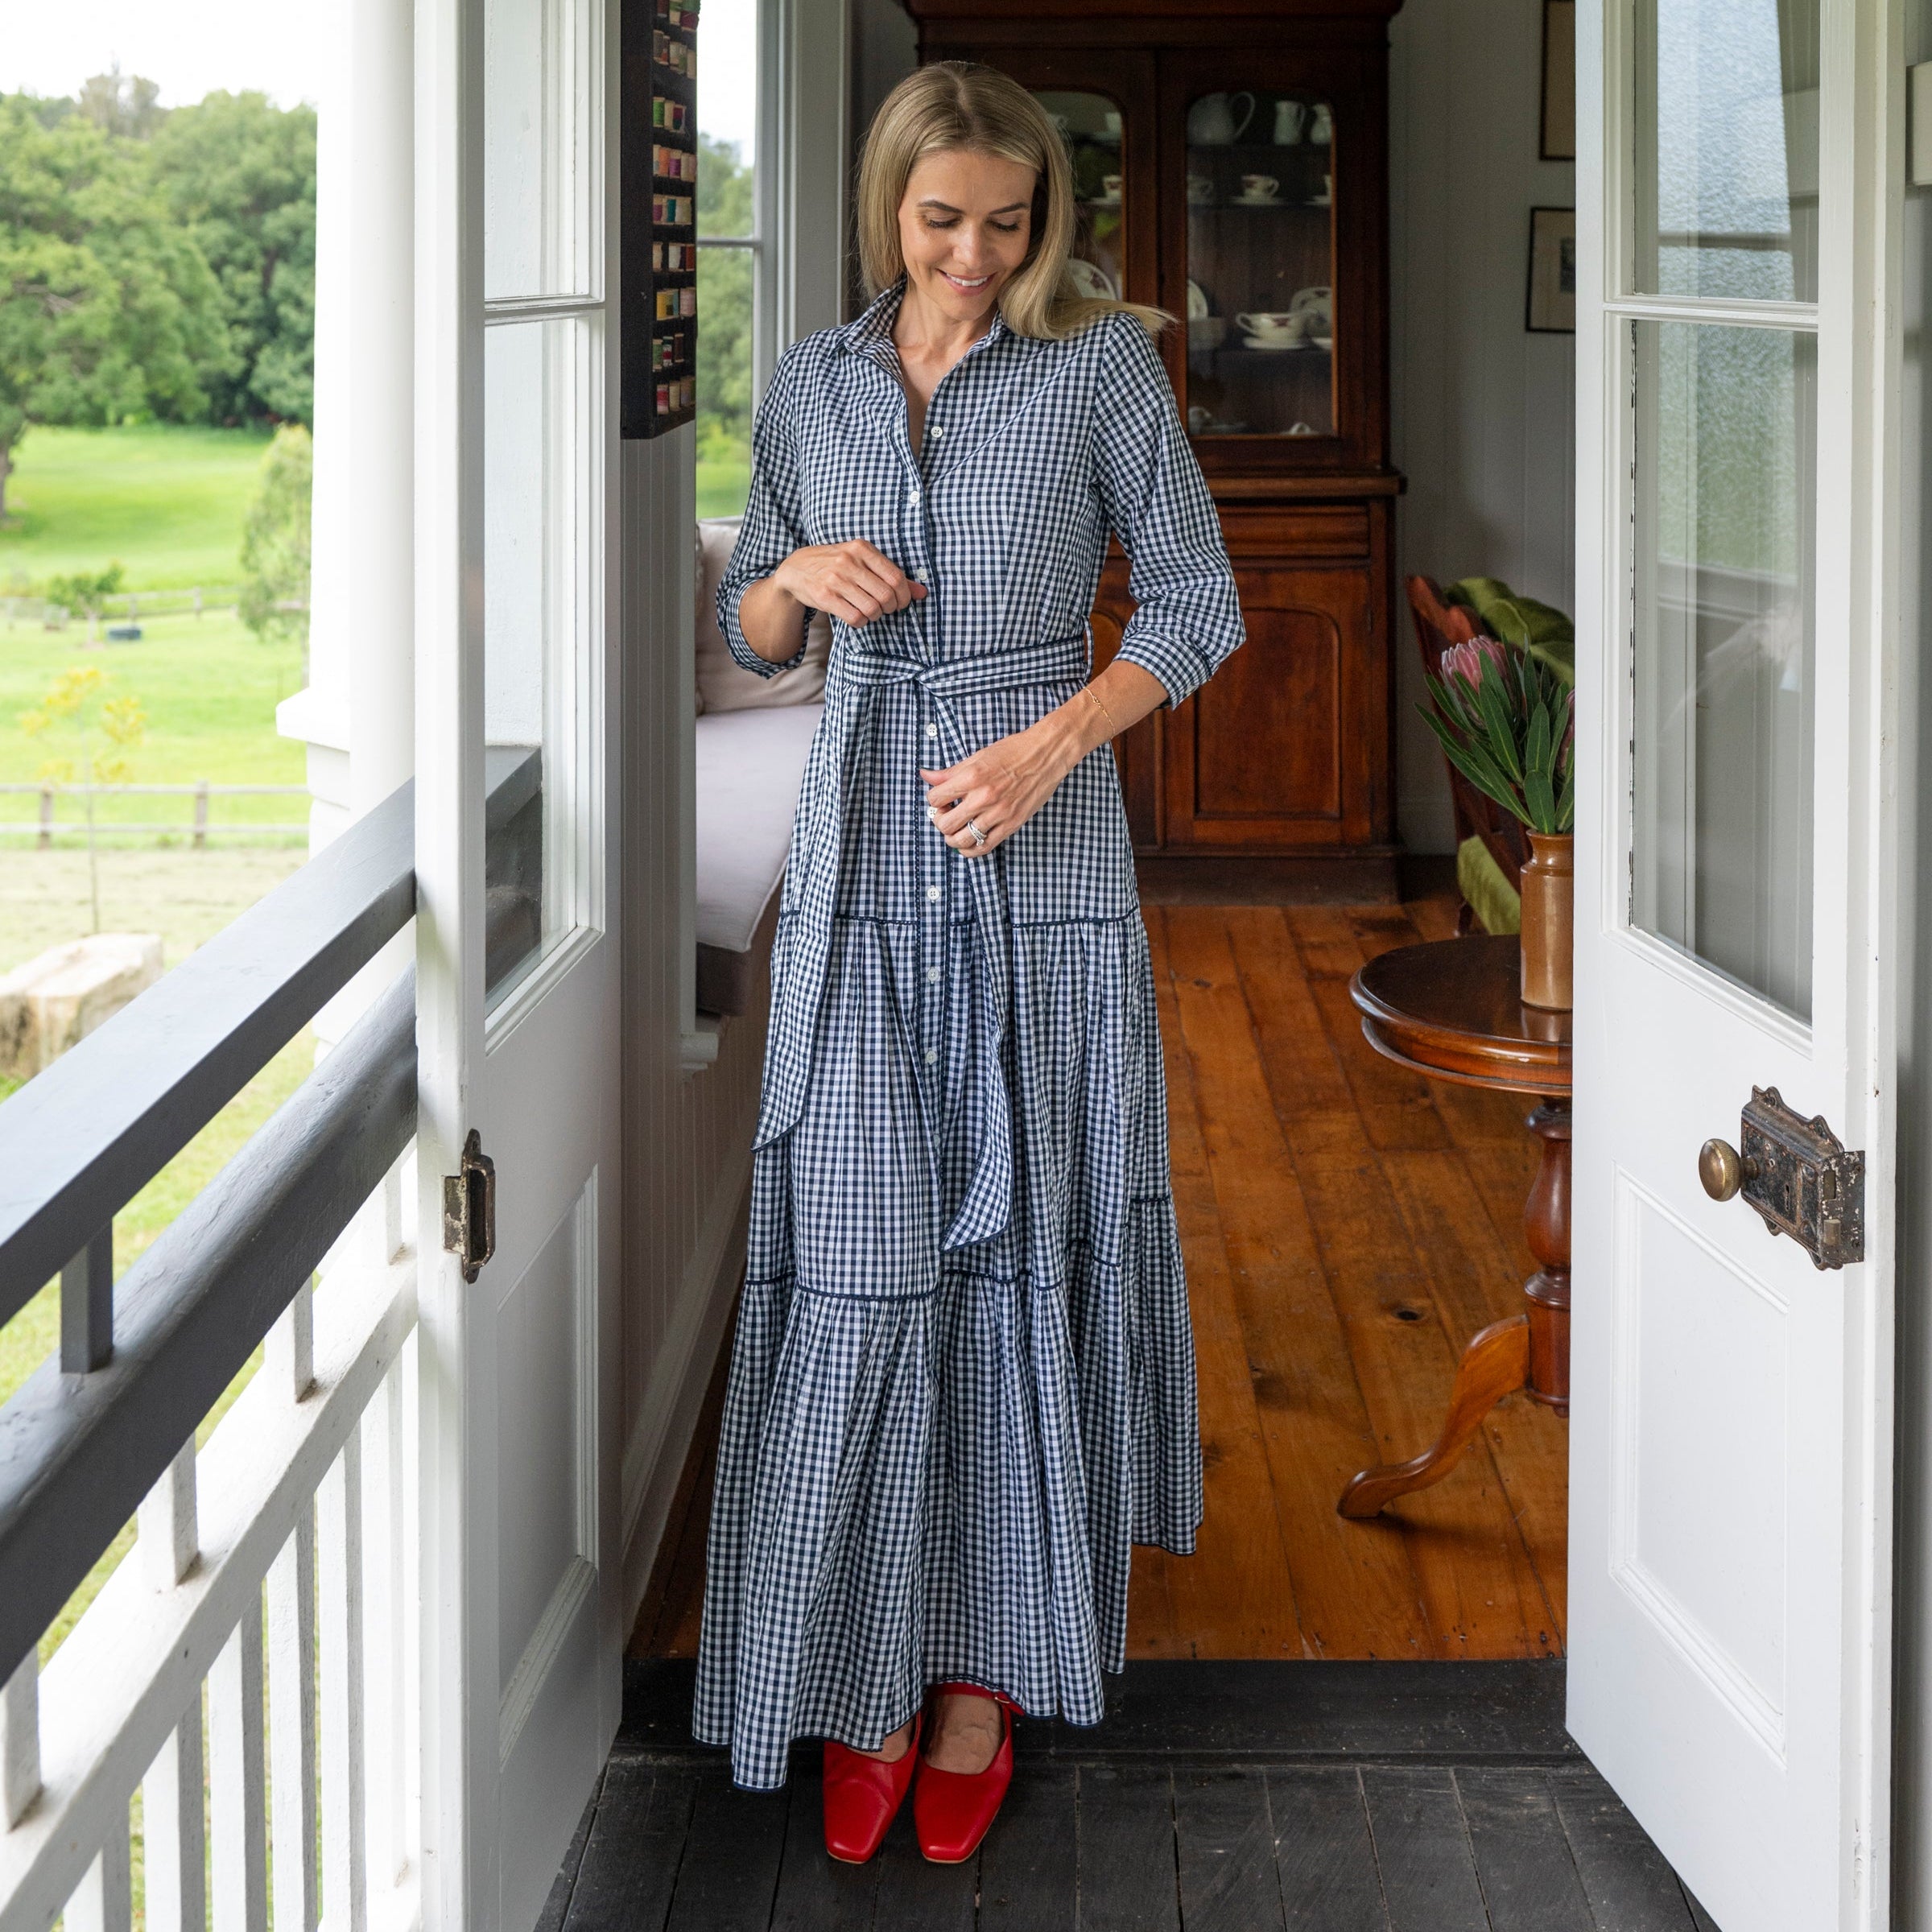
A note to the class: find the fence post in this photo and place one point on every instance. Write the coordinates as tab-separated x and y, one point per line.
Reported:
201	815
47	818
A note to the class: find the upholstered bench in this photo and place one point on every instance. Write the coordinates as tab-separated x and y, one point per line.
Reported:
753	733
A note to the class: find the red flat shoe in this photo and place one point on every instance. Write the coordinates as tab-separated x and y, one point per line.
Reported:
863	1795
952	1810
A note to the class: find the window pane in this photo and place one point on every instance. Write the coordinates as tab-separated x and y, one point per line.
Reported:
728	109
1723	632
1726	147
1260	265
1090	126
537	604
539	109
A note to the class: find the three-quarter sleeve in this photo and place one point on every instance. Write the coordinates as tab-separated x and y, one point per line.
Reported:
1189	619
773	520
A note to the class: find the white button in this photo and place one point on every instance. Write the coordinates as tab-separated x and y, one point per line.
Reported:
932	893
937	431
912	496
919	576
932	973
932	731
932	1054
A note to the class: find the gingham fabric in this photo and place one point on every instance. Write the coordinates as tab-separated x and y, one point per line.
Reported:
962	1384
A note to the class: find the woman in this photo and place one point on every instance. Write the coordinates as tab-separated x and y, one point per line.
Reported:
963	1384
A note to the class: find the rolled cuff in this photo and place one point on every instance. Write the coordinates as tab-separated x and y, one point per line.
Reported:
1181	667
729	595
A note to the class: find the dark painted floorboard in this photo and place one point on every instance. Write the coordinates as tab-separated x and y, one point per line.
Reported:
1216	1797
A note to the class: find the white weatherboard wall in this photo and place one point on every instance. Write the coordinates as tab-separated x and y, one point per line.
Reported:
1483	411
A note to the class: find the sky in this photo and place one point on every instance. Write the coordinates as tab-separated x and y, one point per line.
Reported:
193	46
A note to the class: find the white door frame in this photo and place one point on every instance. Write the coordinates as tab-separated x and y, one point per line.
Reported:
1861	142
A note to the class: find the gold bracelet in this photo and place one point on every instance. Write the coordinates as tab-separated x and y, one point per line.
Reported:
1087	692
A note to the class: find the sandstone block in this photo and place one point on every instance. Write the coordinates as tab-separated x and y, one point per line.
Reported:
52	1002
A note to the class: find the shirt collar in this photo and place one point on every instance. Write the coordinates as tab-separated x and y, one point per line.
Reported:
870	333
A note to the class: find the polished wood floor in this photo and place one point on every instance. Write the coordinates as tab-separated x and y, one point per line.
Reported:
1348	1226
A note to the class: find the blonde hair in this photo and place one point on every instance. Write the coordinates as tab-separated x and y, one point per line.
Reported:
956	105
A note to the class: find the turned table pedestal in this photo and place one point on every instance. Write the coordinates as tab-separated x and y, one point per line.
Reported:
1450	1009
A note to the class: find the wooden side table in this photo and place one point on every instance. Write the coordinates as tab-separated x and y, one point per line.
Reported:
1449	1008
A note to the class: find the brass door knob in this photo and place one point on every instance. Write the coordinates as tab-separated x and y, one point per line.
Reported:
1723	1170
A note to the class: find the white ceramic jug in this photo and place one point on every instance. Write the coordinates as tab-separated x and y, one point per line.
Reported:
1289	117
1211	122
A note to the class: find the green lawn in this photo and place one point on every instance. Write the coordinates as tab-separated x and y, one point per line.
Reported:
210	689
167	501
722	488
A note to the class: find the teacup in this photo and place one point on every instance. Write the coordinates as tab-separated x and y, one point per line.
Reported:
1200	188
1259	188
1110	187
1272	329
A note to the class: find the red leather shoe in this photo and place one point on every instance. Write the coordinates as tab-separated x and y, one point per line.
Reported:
952	1810
863	1795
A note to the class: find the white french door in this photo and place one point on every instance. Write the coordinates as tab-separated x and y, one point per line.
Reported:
1739	170
518	987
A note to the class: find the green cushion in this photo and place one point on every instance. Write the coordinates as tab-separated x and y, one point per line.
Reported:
1540	628
1495	901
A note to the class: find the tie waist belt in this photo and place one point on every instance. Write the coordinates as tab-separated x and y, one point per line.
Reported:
853	676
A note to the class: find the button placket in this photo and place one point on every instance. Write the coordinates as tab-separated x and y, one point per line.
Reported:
933	870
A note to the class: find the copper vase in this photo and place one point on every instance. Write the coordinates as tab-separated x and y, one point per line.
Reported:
1547	898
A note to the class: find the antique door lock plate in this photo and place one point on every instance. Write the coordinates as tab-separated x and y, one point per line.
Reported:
1798	1175
469	1208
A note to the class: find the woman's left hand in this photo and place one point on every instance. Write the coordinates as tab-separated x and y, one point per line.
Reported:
1000	788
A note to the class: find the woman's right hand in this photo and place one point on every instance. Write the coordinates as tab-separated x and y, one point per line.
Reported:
852	580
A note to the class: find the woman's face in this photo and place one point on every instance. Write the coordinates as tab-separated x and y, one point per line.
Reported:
964	224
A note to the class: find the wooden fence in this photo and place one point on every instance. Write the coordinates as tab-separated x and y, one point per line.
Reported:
42	829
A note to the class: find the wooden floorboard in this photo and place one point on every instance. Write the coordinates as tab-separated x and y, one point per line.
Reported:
1237	1797
1348	1225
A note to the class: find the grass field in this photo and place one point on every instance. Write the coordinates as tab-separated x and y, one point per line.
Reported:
167	501
209	690
721	487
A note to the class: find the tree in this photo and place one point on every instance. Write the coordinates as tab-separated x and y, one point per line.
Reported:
238	174
724	305
107	311
86	592
274	603
102	729
121	104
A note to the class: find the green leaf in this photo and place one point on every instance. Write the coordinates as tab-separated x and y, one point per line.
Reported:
1540	800
1500	727
1535	746
1566	803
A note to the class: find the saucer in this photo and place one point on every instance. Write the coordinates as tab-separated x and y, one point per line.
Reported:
1256	200
1104	200
1250	342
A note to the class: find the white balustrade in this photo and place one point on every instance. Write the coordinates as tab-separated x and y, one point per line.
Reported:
274	1578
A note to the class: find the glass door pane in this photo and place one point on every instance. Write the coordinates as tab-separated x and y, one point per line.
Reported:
1723	633
1726	148
1260	265
1090	124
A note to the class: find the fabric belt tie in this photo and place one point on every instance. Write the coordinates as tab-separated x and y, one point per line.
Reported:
852	677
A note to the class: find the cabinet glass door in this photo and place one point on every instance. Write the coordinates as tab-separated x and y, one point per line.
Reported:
1090	124
1260	265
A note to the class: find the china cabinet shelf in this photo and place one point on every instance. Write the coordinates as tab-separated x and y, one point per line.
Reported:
1277	775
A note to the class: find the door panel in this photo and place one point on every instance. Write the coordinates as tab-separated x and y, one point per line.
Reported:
1737	362
1259	756
517	953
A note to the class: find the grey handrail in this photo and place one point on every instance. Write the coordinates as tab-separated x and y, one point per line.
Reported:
80	1139
78	1452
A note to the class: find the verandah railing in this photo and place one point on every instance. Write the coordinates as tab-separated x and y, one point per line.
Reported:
300	1505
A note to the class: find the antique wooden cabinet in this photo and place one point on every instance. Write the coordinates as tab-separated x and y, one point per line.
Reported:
1230	160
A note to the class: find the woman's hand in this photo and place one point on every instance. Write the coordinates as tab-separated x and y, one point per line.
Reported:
850	579
1000	788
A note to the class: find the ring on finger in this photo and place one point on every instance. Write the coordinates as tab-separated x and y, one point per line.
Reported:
979	837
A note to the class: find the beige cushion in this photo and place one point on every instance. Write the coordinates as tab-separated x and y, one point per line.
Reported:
723	685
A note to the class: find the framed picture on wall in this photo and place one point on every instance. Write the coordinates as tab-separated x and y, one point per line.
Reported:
1552	271
1559	81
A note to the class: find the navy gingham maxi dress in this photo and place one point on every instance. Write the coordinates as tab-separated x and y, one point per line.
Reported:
962	1382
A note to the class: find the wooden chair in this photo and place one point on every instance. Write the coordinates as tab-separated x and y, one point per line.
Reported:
1438	626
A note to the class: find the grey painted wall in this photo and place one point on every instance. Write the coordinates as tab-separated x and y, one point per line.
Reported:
1483	411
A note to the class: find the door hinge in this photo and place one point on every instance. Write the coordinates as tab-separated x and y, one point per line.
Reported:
469	1208
1797	1174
